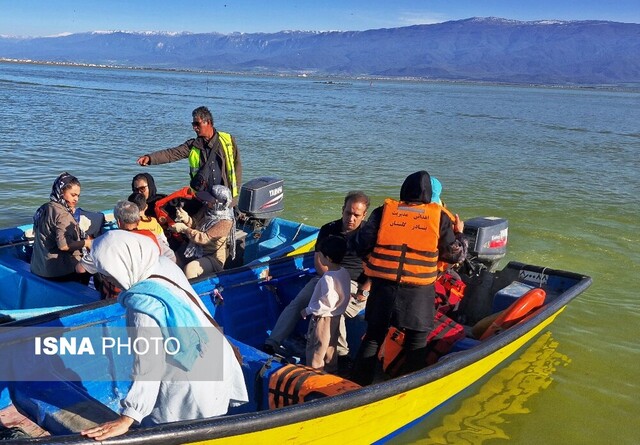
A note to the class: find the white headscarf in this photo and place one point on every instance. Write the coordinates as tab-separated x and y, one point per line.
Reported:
129	258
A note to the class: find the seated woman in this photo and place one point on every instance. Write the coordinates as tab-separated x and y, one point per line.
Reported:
59	240
145	184
203	378
209	233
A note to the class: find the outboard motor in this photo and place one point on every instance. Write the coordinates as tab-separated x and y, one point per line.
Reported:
487	238
262	198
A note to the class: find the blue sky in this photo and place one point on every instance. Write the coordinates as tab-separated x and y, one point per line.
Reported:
54	17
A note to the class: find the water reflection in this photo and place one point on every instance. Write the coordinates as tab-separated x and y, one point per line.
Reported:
480	417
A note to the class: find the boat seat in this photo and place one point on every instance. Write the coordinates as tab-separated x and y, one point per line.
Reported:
60	407
21	289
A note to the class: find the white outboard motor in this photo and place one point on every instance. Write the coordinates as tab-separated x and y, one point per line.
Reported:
487	238
262	198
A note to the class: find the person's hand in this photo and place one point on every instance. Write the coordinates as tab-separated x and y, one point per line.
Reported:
144	160
182	215
458	226
88	242
109	429
180	227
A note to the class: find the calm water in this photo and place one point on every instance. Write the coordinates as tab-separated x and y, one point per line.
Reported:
561	165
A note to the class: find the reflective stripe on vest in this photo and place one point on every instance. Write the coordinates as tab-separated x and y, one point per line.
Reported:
229	160
406	248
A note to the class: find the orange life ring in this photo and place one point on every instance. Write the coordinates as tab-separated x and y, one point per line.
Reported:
519	309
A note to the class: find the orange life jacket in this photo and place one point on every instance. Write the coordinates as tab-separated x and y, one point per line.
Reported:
294	384
149	234
439	342
406	248
515	313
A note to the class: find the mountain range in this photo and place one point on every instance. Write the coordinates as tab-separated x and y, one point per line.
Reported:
476	49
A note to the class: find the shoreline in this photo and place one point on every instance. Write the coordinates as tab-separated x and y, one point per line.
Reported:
344	79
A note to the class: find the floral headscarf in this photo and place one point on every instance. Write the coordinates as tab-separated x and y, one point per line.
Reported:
57	190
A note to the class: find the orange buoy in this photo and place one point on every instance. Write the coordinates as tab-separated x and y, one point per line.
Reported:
519	309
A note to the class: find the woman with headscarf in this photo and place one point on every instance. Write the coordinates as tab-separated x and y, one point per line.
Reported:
401	243
145	184
204	378
211	233
59	240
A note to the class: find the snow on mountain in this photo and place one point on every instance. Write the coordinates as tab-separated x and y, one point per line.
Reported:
476	49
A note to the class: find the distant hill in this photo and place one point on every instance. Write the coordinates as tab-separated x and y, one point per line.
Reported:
477	49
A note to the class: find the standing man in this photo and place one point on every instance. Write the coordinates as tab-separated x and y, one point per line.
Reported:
213	156
354	211
402	242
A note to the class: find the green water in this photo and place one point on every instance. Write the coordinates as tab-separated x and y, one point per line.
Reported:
562	165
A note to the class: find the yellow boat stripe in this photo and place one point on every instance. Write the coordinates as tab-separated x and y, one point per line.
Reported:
374	421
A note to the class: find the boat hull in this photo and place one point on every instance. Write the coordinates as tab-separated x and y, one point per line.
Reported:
371	414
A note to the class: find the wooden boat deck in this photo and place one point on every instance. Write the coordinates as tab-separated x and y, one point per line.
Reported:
10	417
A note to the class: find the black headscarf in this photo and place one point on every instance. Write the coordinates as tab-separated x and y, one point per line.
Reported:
151	183
153	192
416	188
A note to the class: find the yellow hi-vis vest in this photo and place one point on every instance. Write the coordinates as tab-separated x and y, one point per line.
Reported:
229	161
406	249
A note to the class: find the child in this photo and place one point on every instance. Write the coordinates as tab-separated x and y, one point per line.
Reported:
329	301
151	224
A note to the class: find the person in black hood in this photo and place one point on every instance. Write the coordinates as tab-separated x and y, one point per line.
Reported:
401	244
145	184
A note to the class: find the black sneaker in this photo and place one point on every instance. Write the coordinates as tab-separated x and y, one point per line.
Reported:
268	349
13	432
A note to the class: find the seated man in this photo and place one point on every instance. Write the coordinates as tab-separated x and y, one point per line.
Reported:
354	211
210	233
127	215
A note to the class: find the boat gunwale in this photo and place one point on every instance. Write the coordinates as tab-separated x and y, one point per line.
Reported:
246	423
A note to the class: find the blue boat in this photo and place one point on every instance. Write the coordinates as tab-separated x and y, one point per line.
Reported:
261	236
497	317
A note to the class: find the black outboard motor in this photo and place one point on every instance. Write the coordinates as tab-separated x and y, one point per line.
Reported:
487	238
